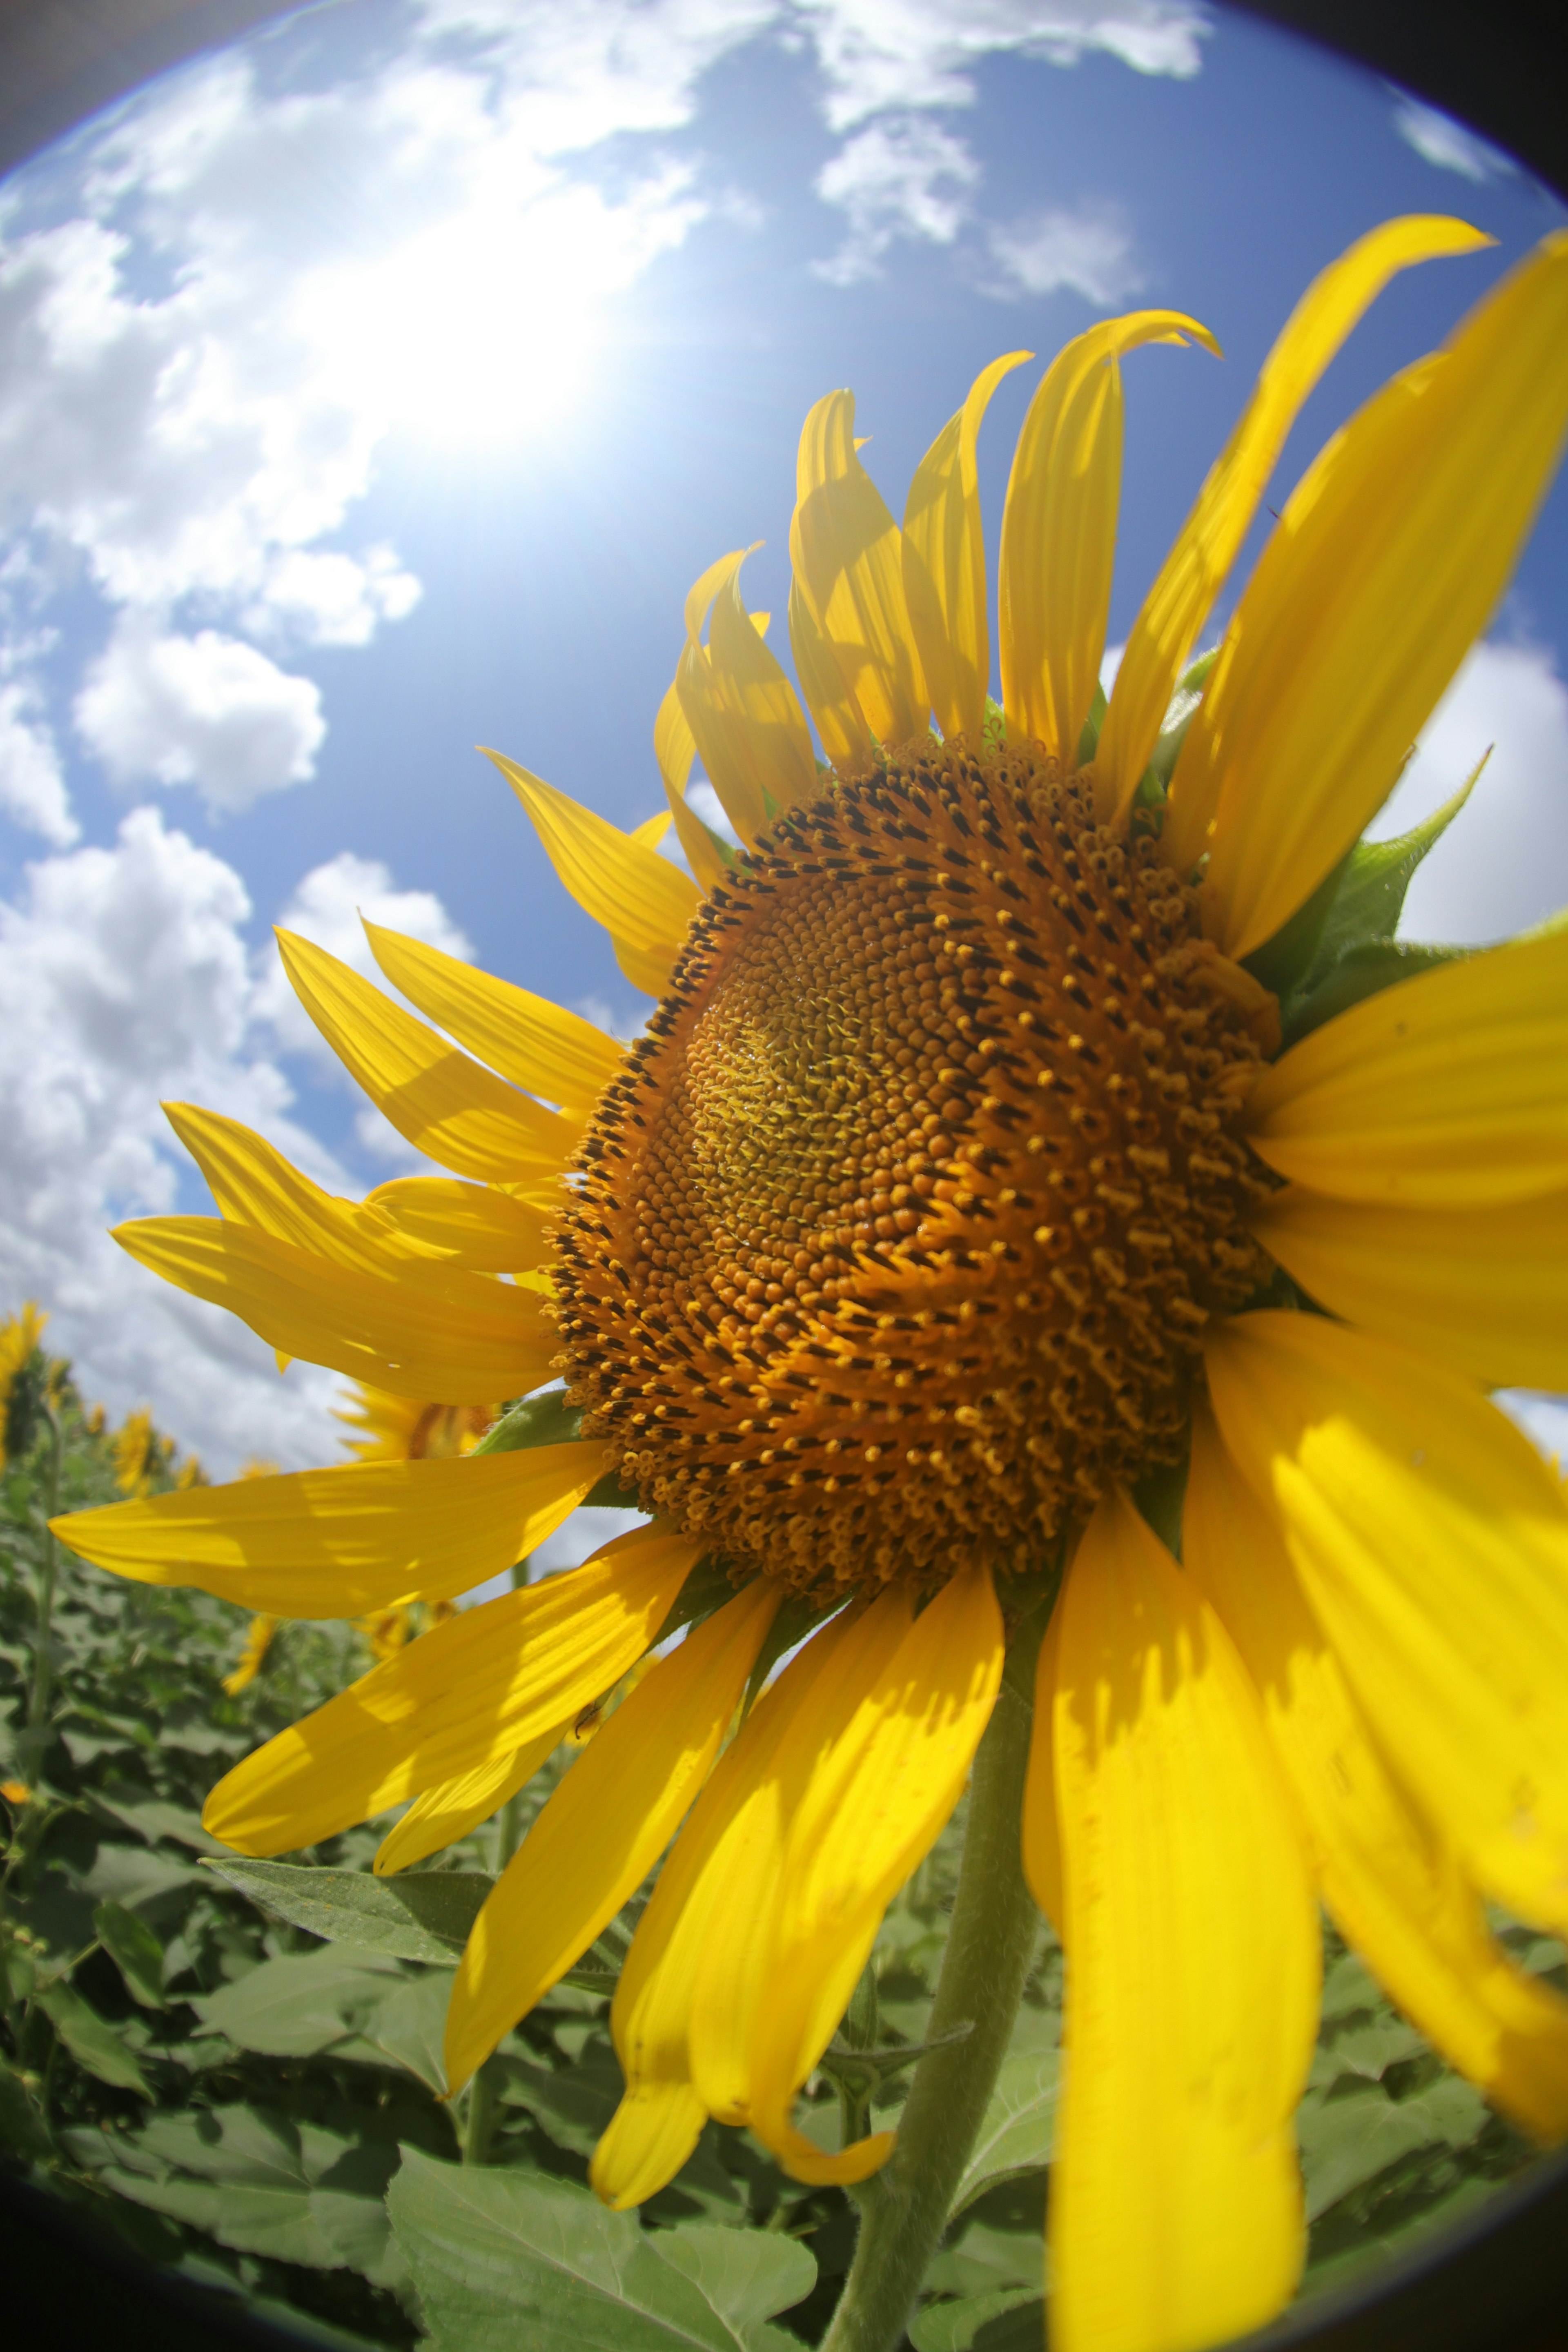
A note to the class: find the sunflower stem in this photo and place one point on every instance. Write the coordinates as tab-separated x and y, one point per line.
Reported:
904	2207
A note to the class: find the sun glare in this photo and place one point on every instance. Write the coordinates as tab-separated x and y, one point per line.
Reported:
484	326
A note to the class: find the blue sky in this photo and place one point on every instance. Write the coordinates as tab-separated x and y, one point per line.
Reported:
376	389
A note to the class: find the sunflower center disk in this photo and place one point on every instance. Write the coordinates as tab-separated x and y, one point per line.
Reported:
897	1238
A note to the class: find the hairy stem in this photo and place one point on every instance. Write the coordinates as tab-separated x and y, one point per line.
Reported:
904	2207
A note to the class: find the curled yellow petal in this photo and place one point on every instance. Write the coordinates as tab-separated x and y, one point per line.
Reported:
604	1828
944	563
430	1332
1192	573
640	897
1431	1543
1386	564
1485	1290
439	1100
535	1044
1176	2210
487	1683
1058	529
342	1542
1393	1892
1446	1091
849	570
253	1184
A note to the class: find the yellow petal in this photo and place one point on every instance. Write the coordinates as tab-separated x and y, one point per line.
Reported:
439	1100
752	688
1392	1891
1483	1289
637	896
746	1825
875	1800
1386	564
535	1044
944	563
253	1184
845	550
604	1828
721	744
449	1811
648	2139
471	1225
1446	1091
432	1332
1431	1543
1192	573
1176	2210
674	745
647	968
342	1542
695	1904
1058	529
846	740
487	1682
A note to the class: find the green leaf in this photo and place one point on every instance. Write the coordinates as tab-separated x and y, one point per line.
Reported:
501	2259
1360	972
1375	878
1009	2319
152	1818
423	1915
20	2130
134	1949
300	2004
90	2039
1358	2131
572	2105
408	2030
1016	2135
256	2181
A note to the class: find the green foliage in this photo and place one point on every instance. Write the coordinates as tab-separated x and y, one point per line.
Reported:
238	2064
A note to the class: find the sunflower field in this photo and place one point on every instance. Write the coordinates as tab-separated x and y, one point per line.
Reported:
236	2065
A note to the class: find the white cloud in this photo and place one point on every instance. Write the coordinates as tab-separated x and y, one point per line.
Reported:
1504	864
125	981
1087	252
881	53
32	788
207	710
1442	141
901	177
333	599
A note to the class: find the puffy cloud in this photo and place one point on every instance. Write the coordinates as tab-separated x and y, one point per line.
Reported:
1442	141
124	979
207	710
32	788
1088	252
1504	864
334	599
904	177
882	54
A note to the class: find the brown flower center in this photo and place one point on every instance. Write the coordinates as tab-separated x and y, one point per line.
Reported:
896	1240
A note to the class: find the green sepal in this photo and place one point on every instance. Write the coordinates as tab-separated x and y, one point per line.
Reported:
707	1588
1088	739
1283	962
993	726
1156	782
860	2073
1159	1497
1375	879
1364	972
544	1420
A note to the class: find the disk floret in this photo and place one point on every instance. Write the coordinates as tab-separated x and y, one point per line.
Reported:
897	1238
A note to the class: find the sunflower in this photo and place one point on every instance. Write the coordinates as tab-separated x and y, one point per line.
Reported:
966	1212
